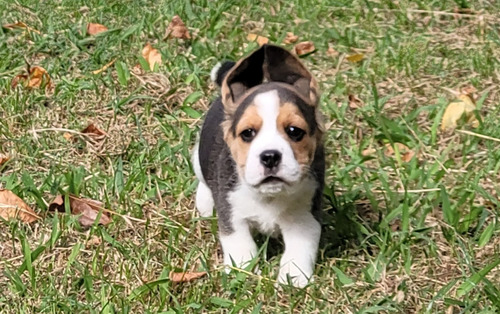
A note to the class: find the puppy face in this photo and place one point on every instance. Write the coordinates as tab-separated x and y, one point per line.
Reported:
272	141
271	127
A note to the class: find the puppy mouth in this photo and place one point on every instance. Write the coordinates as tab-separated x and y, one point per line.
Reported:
272	180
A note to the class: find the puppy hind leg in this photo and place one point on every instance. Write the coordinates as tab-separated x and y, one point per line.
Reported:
204	200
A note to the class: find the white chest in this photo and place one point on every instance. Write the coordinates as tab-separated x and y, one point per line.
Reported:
267	214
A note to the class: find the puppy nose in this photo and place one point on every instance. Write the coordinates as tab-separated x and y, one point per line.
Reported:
270	158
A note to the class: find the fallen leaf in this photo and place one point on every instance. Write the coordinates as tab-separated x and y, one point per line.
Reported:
94	131
36	78
151	55
3	158
395	225
18	78
20	25
355	57
11	206
468	90
177	29
88	209
404	151
185	276
93	241
105	67
67	136
462	107
368	152
290	38
261	40
15	25
332	52
355	102
304	48
95	28
57	204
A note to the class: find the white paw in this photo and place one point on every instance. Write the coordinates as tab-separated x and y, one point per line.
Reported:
239	248
204	200
295	276
241	258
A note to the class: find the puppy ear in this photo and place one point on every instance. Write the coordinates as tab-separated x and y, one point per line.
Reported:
245	74
282	66
270	63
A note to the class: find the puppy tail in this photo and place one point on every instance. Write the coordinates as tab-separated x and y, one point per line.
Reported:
220	70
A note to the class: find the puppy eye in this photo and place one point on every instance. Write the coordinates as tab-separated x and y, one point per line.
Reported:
296	134
248	135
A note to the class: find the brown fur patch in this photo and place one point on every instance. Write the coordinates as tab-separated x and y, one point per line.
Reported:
303	150
239	148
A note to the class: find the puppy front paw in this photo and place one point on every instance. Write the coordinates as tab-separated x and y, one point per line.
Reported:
297	277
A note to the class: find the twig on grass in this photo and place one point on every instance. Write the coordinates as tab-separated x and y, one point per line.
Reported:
479	135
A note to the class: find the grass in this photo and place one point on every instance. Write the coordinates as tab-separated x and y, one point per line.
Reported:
399	236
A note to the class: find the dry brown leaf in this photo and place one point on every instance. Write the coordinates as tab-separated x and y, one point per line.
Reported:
105	67
15	25
95	28
12	206
88	209
395	225
57	204
304	48
20	25
462	107
355	102
185	276
468	90
67	136
151	55
355	57
3	158
368	152
94	131
17	79
261	40
404	151
93	241
177	29
36	78
406	157
332	52
290	38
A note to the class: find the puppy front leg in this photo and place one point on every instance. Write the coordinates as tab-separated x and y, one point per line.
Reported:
301	235
238	246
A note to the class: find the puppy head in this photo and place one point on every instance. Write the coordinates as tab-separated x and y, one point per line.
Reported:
271	124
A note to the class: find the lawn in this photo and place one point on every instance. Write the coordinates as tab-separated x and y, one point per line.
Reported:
411	212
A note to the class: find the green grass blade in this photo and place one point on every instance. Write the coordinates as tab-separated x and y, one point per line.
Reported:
472	281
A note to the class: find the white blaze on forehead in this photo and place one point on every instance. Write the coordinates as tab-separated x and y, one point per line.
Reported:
268	107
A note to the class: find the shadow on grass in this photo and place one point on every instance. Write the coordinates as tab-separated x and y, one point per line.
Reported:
345	222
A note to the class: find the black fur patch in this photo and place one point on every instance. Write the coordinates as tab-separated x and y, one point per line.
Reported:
217	165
